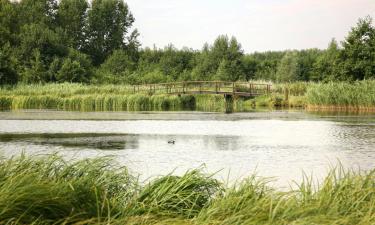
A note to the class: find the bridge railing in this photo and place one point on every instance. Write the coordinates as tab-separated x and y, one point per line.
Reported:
205	87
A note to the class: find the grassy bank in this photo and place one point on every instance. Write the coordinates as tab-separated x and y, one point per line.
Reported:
48	190
354	96
334	96
77	97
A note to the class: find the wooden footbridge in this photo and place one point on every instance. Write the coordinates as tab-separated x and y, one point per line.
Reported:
234	89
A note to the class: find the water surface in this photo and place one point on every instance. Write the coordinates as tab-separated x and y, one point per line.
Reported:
278	144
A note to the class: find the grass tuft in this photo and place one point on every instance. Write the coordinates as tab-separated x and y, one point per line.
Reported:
49	190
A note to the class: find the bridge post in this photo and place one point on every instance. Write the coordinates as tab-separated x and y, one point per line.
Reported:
216	87
228	103
233	88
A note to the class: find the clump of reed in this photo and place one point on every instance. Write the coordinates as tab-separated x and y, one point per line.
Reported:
294	89
99	102
243	105
49	190
273	100
215	103
344	197
65	89
358	95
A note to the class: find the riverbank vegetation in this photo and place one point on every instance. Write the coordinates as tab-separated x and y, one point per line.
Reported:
62	55
44	41
330	96
49	190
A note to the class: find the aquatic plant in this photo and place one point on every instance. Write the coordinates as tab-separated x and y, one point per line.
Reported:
215	103
358	95
49	190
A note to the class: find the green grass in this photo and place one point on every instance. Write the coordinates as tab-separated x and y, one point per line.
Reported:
294	88
49	190
344	96
359	95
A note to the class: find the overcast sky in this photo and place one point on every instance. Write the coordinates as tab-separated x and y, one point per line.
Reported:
259	25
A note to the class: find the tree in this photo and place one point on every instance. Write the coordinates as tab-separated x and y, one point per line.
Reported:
223	51
39	37
116	67
287	70
8	73
8	22
326	65
36	72
249	65
37	12
358	52
76	67
108	24
306	60
71	17
174	62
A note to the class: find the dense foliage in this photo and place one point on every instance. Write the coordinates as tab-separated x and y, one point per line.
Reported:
93	42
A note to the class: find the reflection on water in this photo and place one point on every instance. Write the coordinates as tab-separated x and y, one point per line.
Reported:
83	140
273	146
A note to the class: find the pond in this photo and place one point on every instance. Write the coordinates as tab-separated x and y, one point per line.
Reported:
278	144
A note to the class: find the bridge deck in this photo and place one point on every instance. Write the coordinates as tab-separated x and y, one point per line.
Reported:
244	89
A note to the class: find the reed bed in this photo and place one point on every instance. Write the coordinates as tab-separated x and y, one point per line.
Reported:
354	96
98	102
333	96
215	103
49	190
294	89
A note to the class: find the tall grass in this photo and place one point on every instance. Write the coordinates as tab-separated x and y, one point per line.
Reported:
359	95
46	190
98	102
49	190
214	103
295	89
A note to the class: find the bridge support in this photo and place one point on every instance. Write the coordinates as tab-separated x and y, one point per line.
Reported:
229	103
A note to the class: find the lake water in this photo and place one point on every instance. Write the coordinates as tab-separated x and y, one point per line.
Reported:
279	144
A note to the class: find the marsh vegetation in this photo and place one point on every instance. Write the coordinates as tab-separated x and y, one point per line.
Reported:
46	190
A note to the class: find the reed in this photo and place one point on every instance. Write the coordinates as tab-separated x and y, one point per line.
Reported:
295	89
214	103
359	95
49	190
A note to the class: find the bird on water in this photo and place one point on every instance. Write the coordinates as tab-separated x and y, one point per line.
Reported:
171	142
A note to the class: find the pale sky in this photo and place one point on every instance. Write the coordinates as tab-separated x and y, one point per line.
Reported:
259	25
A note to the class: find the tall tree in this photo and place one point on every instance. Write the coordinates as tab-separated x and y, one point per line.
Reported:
225	51
37	11
287	70
358	53
108	24
40	37
8	73
36	71
8	22
71	17
326	65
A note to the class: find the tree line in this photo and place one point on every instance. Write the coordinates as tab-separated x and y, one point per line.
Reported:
76	41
